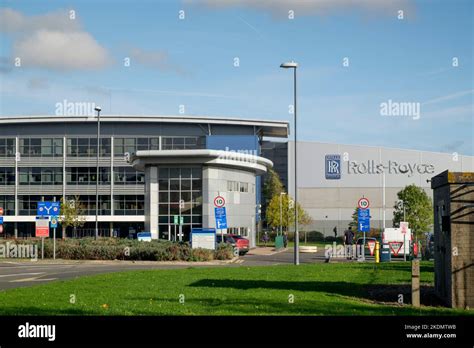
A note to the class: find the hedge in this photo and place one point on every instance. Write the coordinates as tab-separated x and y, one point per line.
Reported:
126	249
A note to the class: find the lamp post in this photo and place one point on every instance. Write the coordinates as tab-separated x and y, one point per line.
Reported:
281	213
294	65
98	109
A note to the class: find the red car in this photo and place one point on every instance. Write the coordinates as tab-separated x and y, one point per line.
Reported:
241	243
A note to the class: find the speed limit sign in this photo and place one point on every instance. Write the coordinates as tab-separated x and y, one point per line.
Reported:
219	201
363	203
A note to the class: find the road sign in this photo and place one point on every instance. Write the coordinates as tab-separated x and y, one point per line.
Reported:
371	244
404	227
1	211
221	218
363	203
48	209
42	228
54	222
1	220
219	201
363	220
395	247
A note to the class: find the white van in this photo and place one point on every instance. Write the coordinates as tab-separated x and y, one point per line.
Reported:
399	242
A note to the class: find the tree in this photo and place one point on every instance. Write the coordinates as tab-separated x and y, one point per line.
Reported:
418	209
272	186
287	212
72	213
355	220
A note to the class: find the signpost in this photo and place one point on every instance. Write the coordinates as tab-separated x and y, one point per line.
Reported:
363	203
404	230
1	220
371	244
395	247
220	215
49	210
42	230
219	201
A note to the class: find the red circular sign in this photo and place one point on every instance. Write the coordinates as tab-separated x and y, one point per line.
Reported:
363	203
219	201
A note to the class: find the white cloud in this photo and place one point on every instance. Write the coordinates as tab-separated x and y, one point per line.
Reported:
16	22
52	41
307	7
60	51
154	59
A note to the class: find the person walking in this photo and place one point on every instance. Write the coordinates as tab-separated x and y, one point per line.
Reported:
348	241
265	238
285	239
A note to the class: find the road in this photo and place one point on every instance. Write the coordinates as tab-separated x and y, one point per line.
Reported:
16	273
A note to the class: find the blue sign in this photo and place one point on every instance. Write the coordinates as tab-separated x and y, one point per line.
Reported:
48	209
144	236
221	218
363	220
333	167
1	220
54	222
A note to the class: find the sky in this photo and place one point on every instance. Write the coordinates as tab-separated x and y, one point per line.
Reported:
221	58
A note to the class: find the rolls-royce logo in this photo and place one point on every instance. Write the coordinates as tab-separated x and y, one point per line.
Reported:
333	167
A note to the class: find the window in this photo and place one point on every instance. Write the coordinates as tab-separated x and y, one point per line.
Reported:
131	145
8	204
129	205
182	143
128	176
179	193
27	205
87	175
236	186
40	176
41	147
88	204
7	176
87	147
7	147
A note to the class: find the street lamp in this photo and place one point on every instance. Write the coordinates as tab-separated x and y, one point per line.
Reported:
293	65
98	109
281	213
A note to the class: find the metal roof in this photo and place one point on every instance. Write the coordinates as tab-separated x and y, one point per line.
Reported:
266	127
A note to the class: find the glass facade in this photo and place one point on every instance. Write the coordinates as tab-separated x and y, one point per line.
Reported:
128	176
8	204
7	147
7	176
179	194
41	147
182	143
131	145
129	205
87	147
40	176
88	203
27	204
87	175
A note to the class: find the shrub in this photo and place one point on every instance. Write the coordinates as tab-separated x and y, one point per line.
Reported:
200	254
224	252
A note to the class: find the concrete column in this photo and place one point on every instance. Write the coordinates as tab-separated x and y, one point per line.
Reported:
111	224
151	200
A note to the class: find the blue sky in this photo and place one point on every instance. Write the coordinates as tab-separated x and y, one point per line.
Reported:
190	62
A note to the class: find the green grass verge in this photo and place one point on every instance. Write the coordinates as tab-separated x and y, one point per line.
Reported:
318	289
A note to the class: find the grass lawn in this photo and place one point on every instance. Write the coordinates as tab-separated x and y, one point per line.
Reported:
318	289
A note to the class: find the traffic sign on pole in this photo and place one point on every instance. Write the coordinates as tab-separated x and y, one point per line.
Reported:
42	228
363	220
404	227
219	201
363	203
48	209
221	218
175	219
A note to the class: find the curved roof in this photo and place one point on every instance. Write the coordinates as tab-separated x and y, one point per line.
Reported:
231	159
265	127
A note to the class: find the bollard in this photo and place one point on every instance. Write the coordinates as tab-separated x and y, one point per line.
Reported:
415	283
377	252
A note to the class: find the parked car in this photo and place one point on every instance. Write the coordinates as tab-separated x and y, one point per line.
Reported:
243	244
366	247
227	239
